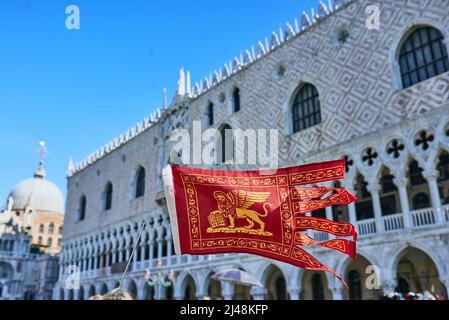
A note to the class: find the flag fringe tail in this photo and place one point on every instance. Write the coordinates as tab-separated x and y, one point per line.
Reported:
342	229
345	246
302	203
312	263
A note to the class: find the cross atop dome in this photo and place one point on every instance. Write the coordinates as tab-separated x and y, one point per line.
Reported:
43	152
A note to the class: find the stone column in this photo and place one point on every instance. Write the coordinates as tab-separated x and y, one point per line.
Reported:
351	207
76	294
200	294
259	293
61	270
151	253
142	251
128	251
86	293
227	290
295	293
101	260
114	256
388	286
352	213
169	251
431	176
179	297
135	258
374	190
401	184
159	248
95	262
337	293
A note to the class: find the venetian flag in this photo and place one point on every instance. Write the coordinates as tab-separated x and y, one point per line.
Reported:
215	212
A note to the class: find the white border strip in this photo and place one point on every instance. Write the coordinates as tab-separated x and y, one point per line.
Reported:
167	175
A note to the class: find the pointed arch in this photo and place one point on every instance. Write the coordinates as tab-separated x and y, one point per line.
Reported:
422	55
108	192
389	194
82	208
236	99
275	282
306	108
403	35
140	183
364	204
225	144
418	270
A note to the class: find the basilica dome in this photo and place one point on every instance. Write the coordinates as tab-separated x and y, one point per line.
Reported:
37	194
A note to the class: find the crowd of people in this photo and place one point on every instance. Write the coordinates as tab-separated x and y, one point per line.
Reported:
427	295
116	294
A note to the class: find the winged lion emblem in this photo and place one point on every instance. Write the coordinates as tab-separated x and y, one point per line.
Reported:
235	205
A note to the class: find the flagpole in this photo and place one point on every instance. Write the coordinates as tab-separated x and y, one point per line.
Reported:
132	253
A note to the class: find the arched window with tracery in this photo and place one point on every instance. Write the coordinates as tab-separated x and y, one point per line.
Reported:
306	109
225	145
364	203
140	182
236	98
422	56
389	195
82	208
108	197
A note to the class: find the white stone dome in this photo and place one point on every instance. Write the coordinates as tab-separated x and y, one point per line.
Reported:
37	194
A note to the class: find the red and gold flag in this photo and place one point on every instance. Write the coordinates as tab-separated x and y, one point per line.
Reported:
214	212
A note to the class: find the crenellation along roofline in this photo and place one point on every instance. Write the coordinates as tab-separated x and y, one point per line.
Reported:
230	70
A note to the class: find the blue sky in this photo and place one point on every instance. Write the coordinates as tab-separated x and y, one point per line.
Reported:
79	89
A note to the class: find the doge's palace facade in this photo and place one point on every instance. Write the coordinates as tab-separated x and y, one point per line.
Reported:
334	89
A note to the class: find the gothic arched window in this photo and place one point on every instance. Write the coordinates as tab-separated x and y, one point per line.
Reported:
41	228
82	209
226	144
355	285
422	56
210	114
281	289
306	110
236	97
140	183
415	174
364	203
108	197
389	193
317	287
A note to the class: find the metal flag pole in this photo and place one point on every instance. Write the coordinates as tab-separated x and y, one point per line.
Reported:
142	228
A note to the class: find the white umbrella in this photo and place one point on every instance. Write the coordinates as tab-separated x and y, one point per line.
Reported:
238	277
